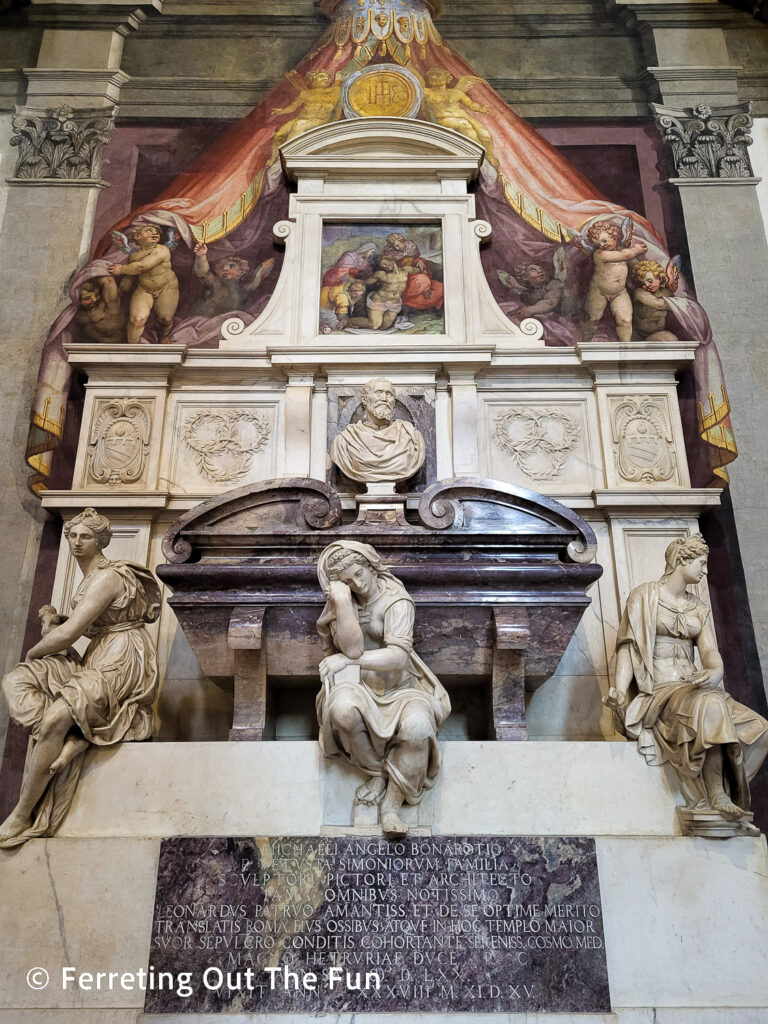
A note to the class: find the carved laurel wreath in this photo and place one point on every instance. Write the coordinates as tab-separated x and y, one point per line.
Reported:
224	441
538	440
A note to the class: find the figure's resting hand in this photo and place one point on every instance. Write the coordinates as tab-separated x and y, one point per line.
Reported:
115	269
339	592
614	700
201	249
705	679
331	665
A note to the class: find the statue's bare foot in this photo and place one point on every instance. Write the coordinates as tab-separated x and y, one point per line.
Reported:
392	826
371	793
727	808
73	746
14	825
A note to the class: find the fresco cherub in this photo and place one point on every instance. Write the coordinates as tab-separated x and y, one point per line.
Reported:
317	96
654	284
225	285
612	250
100	317
156	288
538	292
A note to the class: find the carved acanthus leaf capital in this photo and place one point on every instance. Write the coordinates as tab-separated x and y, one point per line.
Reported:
60	144
707	142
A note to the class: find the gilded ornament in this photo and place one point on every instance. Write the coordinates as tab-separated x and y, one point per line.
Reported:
382	92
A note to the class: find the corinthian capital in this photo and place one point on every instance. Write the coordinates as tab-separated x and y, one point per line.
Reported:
62	144
707	142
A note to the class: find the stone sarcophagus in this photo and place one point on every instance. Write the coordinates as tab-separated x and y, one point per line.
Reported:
498	575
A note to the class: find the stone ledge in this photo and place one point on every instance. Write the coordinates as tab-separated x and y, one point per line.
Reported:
154	790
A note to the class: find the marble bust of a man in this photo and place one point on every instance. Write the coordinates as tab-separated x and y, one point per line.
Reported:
379	448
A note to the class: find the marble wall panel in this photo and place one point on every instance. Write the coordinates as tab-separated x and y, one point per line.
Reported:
120	442
545	441
215	442
710	953
643	438
83	904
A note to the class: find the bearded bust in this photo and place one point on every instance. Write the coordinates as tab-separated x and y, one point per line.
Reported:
379	448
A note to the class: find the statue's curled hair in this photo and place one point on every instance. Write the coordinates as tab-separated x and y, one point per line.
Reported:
684	550
97	523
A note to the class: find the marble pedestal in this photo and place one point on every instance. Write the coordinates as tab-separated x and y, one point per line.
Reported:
684	918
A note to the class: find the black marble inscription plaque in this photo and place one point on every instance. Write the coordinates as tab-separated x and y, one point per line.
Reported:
360	924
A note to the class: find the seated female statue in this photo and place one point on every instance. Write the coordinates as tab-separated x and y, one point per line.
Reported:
386	724
682	715
69	703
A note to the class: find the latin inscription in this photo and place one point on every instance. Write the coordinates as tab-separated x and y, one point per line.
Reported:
319	924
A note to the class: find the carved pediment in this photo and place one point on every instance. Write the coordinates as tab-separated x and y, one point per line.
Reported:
231	520
490	507
381	145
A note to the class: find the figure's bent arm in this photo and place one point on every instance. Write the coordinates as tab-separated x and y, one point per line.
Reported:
100	595
614	255
349	636
202	268
109	290
647	299
624	671
278	111
385	659
158	255
709	654
545	304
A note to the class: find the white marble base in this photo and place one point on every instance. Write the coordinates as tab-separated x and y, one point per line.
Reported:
564	789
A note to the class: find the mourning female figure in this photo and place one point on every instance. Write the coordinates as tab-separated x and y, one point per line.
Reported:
682	715
385	720
69	703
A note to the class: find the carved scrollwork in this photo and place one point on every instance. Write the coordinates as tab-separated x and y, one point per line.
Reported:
320	513
643	452
474	505
120	442
538	440
60	144
708	143
287	506
224	441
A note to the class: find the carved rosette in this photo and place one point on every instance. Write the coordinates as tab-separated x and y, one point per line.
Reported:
224	441
643	451
707	143
117	450
60	144
538	440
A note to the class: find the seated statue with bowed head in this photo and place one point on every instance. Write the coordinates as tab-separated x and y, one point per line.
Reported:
69	703
379	448
682	715
385	722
